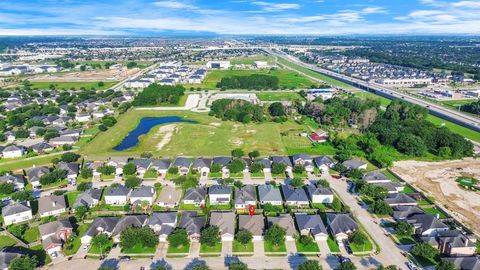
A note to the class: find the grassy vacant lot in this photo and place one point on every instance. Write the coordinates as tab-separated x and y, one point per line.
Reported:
287	78
6	241
454	104
209	137
279	96
70	85
26	163
250	59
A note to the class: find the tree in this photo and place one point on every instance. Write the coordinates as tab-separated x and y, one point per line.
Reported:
424	250
144	236
403	228
83	186
390	267
199	266
69	157
86	173
244	237
309	265
215	167
275	235
297	182
254	154
358	238
7	188
238	153
186	181
173	170
323	183
276	109
178	238
106	170
256	167
336	204
278	168
210	236
380	207
101	241
18	229
237	184
237	266
236	165
411	145
23	263
132	181
22	195
298	168
347	266
129	169
80	212
445	265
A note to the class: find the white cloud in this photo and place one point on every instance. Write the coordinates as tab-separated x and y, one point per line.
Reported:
467	4
174	4
276	7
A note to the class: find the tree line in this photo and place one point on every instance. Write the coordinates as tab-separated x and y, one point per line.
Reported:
156	94
254	81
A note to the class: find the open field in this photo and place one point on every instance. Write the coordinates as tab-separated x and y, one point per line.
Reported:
27	163
209	137
287	78
437	179
250	59
70	85
278	96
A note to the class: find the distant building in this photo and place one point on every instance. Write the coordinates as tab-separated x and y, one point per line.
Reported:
218	64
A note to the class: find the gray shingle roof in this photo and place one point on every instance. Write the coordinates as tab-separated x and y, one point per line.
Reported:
254	224
313	223
465	263
143	191
182	162
281	159
353	163
225	221
224	161
16	208
323	160
294	194
424	222
283	220
142	162
341	223
219	189
107	224
400	198
50	203
265	161
162	218
87	198
375	176
269	193
245	194
118	191
405	211
202	162
191	222
196	194
162	164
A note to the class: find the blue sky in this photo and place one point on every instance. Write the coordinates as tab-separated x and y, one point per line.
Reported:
301	17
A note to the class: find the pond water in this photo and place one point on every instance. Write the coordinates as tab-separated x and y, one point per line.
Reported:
145	125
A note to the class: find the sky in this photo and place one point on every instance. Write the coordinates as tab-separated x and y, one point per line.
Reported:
239	17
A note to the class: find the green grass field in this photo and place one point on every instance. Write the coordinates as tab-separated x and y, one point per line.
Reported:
239	247
6	241
279	96
70	85
287	78
179	249
269	247
250	59
27	163
311	247
209	137
207	249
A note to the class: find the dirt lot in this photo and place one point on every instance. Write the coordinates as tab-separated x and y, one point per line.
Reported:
437	179
86	76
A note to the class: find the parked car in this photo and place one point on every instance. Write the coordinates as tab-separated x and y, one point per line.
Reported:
411	266
62	186
342	259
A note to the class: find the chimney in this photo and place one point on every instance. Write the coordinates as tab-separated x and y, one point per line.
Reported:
54	203
28	203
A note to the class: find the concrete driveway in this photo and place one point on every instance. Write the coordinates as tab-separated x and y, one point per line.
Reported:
194	251
258	249
227	248
291	247
324	250
161	251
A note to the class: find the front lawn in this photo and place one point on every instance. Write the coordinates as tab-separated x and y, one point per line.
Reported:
332	244
310	247
31	235
269	247
72	247
140	249
71	197
361	248
150	173
42	256
434	211
6	241
179	249
257	175
189	207
405	240
407	189
94	249
207	249
239	247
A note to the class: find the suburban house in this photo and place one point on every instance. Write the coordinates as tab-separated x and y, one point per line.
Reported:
202	165
88	198
245	196
193	224
223	161
283	160
324	163
183	164
55	234
391	187
311	225
304	160
142	165
403	212
143	193
219	194
267	164
426	224
113	226
319	194
17	212
318	136
94	165
17	180
13	151
163	224
453	243
51	205
285	221
42	147
34	175
195	196
161	166
71	169
118	163
398	199
117	195
63	140
7	255
169	197
376	177
341	226
295	196
254	224
355	164
225	221
465	263
269	194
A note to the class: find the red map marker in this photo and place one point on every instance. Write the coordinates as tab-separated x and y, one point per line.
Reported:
251	209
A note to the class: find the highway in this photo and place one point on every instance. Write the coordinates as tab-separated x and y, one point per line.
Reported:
437	110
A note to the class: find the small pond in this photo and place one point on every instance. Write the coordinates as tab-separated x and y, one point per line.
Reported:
145	125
